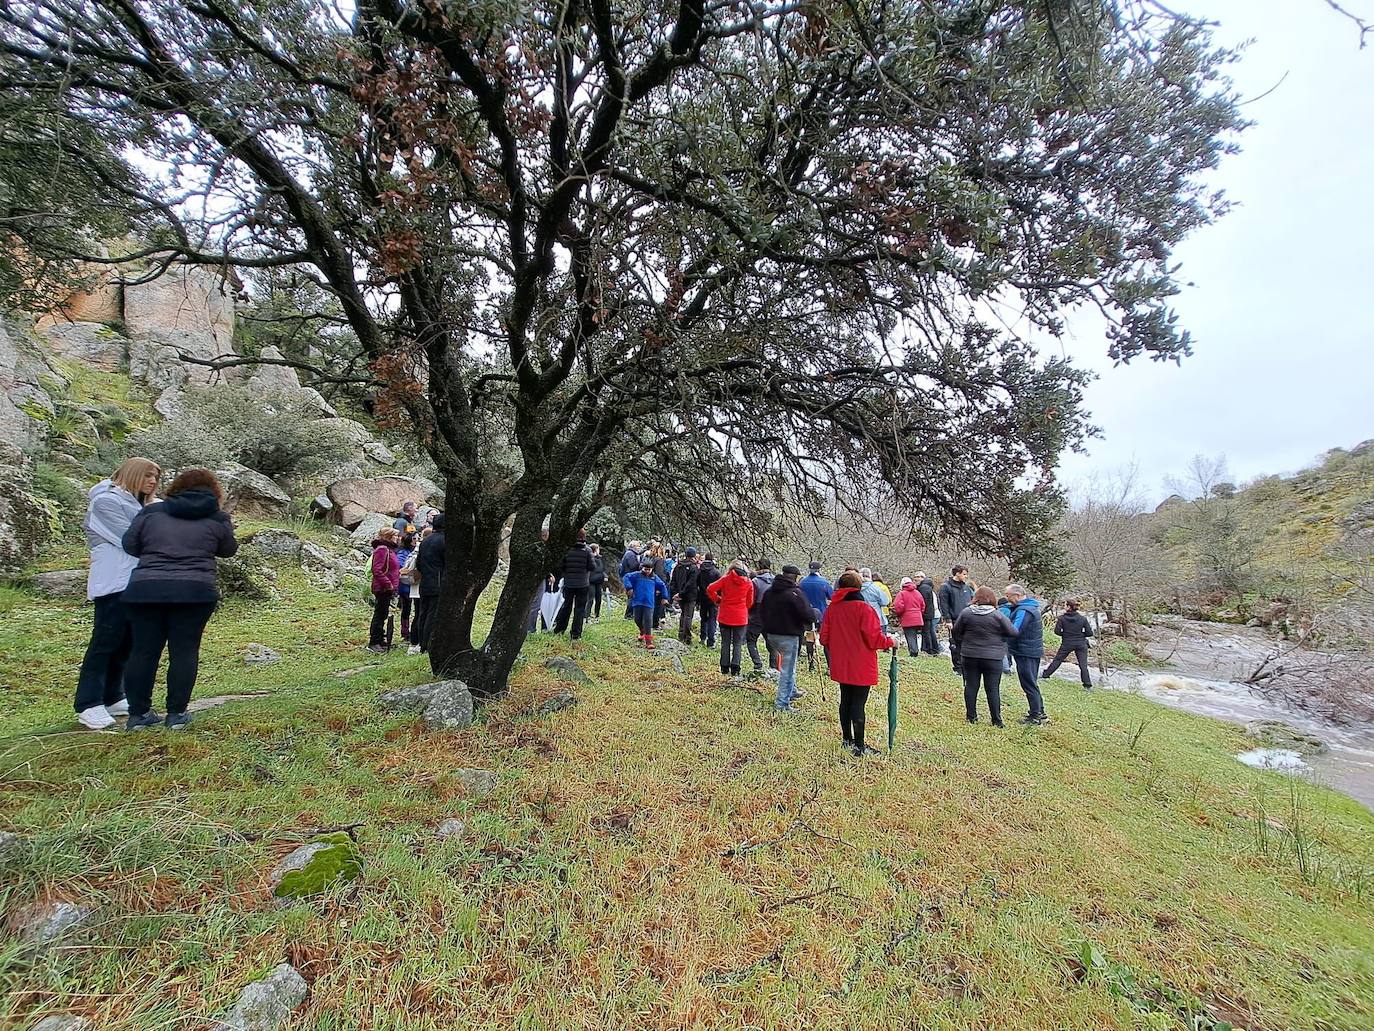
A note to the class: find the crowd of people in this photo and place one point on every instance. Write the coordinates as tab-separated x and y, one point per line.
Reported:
853	620
152	584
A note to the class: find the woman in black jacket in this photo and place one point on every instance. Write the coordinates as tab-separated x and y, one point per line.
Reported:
979	637
1074	630
598	579
173	591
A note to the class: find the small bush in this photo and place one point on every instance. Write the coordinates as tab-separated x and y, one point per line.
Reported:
53	484
276	435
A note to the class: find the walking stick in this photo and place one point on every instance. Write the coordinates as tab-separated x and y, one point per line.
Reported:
892	701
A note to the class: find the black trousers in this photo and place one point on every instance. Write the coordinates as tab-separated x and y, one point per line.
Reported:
986	673
1080	654
424	615
660	607
1028	672
751	641
381	608
708	623
574	606
629	606
954	657
913	639
853	698
406	604
595	605
684	621
929	641
177	627
101	680
731	649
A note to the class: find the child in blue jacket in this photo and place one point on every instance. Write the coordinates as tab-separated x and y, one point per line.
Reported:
644	589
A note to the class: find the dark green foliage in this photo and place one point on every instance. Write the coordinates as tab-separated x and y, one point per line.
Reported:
276	435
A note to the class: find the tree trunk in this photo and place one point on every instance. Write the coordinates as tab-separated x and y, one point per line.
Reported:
472	552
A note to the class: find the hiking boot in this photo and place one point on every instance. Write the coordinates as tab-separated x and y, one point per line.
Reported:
178	720
868	750
797	692
1041	720
147	721
97	717
786	710
377	649
414	649
971	719
1027	721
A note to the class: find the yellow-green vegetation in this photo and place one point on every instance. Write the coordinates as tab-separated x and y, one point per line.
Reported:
669	853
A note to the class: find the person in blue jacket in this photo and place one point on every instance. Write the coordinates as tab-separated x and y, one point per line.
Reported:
1027	649
818	592
645	589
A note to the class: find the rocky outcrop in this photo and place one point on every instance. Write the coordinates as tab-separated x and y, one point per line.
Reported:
366	532
61	583
25	526
25	405
189	298
282	379
275	543
354	498
90	343
247	493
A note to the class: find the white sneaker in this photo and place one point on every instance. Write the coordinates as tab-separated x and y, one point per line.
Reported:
95	718
414	649
120	708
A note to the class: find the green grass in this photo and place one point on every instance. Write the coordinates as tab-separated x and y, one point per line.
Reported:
667	854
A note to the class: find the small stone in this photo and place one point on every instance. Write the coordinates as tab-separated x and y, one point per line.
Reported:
667	646
321	506
379	452
44	922
273	543
63	583
568	669
260	655
479	783
1278	735
445	705
450	829
367	530
564	699
12	846
267	1004
63	1022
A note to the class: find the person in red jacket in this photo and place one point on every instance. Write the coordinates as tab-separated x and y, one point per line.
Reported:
733	595
386	580
852	634
910	608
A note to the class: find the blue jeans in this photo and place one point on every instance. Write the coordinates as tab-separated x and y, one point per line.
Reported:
785	647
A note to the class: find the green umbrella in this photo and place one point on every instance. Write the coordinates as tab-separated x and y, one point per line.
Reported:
892	701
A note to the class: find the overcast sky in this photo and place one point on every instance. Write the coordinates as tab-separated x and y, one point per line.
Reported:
1281	305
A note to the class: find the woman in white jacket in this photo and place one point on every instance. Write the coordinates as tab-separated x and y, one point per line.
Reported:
113	505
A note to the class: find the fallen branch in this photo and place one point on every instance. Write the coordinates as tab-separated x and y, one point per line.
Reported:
799	822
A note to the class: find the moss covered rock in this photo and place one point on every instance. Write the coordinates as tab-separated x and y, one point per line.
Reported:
313	868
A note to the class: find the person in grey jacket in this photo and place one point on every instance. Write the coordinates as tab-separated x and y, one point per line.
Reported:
173	592
113	504
979	637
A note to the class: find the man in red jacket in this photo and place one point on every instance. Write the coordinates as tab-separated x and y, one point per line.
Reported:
852	633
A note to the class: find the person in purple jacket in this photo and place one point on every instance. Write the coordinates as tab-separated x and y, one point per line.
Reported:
386	581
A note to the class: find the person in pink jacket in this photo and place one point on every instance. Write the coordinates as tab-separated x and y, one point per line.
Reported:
386	581
910	608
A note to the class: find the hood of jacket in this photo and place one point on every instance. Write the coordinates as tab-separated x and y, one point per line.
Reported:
926	583
379	543
910	586
844	592
192	504
981	610
955	584
782	582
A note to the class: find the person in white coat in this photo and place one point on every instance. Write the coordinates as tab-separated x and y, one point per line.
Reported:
113	503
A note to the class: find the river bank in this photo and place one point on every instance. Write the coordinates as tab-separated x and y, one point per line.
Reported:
1198	667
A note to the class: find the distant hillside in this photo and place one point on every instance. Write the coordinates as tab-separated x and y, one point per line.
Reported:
1305	540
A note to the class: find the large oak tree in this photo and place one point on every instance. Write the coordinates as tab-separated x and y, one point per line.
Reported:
802	245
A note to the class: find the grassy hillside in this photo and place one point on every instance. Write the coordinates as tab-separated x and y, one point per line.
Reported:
667	854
